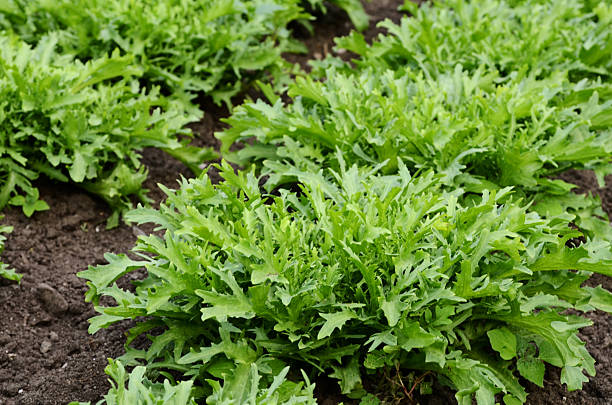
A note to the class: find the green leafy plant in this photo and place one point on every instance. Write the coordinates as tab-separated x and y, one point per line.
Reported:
243	386
209	46
83	123
5	271
479	134
353	275
136	389
240	386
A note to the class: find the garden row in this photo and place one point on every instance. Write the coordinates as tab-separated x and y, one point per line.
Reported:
87	85
400	211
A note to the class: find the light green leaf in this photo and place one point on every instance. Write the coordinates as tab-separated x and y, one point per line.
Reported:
103	275
224	306
392	310
600	298
573	377
504	342
349	376
78	170
333	321
532	369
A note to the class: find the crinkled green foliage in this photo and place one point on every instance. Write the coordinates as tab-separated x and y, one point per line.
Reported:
210	46
83	123
5	271
357	272
135	388
539	36
84	120
512	134
242	386
464	88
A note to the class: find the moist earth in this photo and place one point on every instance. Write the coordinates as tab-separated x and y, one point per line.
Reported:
48	357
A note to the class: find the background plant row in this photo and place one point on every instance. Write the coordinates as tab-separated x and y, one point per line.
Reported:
87	85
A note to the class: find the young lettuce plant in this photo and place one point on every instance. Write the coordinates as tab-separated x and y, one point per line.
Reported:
81	123
502	92
351	276
135	388
241	387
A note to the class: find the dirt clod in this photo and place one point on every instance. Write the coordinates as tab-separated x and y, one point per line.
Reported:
51	299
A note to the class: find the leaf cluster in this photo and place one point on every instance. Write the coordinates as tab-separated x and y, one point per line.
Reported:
354	275
540	37
242	387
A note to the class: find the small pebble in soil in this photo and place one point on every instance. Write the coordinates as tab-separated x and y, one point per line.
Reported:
53	336
45	346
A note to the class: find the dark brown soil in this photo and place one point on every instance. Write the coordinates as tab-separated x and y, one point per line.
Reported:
46	354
